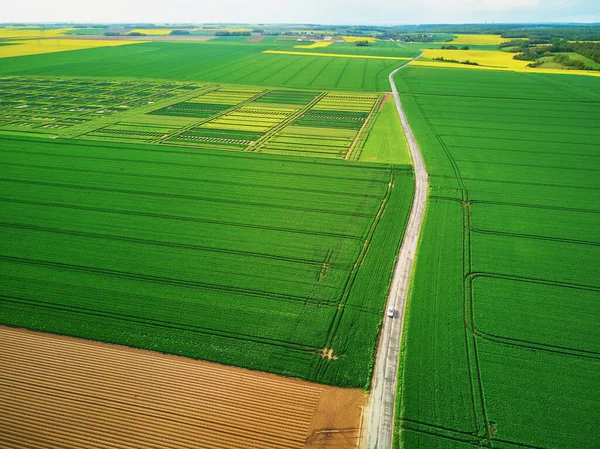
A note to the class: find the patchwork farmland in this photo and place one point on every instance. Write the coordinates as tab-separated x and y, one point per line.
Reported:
240	198
202	116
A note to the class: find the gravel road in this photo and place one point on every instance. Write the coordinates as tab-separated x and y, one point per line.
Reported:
380	423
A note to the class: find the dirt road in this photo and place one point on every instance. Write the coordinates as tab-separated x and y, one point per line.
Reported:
380	424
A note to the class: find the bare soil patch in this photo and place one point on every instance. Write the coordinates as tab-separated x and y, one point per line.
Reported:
69	393
386	97
256	38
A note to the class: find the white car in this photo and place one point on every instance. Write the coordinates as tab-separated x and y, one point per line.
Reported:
391	312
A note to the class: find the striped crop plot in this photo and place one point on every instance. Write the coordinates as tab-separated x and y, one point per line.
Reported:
275	263
241	126
501	340
328	129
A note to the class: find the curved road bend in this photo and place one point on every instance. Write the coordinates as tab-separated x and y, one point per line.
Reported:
380	425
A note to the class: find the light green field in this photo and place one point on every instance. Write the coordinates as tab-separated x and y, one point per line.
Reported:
386	142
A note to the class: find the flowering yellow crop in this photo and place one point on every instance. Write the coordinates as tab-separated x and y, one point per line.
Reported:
500	59
358	38
39	46
153	31
19	33
478	39
335	55
315	45
487	60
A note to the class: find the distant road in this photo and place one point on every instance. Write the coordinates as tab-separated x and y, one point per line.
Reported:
380	425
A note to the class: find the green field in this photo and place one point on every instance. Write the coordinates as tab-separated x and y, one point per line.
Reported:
276	263
386	142
501	339
220	61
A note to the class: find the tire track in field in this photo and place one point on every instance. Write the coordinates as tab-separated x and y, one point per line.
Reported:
181	218
207	167
197	180
184	197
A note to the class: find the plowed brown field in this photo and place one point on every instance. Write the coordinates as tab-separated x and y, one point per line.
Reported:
59	392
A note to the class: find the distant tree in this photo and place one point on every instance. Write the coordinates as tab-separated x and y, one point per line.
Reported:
233	33
362	43
112	33
135	33
465	47
179	32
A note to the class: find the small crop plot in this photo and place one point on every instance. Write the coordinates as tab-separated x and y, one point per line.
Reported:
241	127
224	139
192	109
328	129
47	105
208	104
140	128
298	97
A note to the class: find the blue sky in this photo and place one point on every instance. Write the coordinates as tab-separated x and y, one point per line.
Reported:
383	12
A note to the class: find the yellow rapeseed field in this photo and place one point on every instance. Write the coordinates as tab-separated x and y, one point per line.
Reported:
358	38
39	46
335	55
315	45
18	33
152	31
478	39
488	60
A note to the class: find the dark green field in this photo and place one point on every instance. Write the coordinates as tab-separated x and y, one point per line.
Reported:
275	263
501	341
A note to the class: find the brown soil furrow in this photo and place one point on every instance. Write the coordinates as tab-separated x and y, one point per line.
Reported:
104	390
209	420
142	436
64	393
170	375
118	371
29	426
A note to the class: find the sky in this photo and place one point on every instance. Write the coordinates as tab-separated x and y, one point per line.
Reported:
366	12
